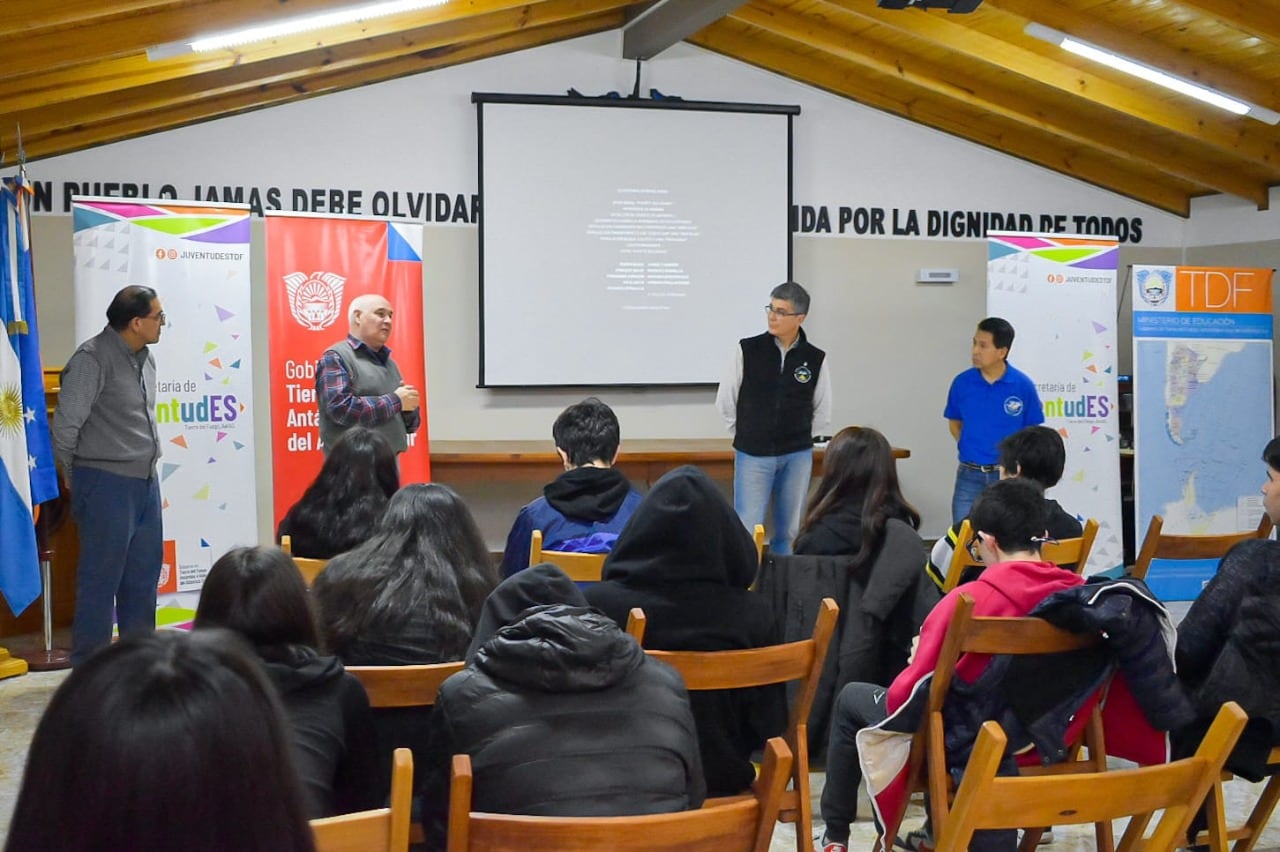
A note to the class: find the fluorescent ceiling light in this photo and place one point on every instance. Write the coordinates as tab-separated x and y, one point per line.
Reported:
1151	75
290	26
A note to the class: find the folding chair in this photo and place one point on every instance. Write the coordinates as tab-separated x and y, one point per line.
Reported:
1246	835
757	535
581	567
969	634
307	567
741	824
1072	552
985	800
379	829
1159	545
795	661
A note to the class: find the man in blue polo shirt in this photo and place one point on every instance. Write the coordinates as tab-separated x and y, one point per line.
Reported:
986	403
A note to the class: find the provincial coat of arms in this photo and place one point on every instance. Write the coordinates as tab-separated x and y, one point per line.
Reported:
315	300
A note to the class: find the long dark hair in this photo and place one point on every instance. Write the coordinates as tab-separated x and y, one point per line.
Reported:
163	736
341	507
259	593
859	468
426	555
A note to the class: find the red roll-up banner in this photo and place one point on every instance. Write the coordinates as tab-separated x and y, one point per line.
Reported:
315	266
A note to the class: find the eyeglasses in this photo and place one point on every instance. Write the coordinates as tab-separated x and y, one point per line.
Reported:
770	309
160	316
972	545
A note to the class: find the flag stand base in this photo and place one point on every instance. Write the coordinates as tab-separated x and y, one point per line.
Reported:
11	666
46	661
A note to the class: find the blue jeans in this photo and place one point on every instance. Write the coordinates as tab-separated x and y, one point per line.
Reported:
969	484
784	478
121	551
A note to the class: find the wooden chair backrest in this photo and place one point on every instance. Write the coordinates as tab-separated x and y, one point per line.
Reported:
307	567
794	661
636	623
581	567
404	686
960	558
736	825
378	829
970	634
1072	551
986	801
1158	545
1068	551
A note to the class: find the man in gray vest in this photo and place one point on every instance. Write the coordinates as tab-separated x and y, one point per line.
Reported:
357	383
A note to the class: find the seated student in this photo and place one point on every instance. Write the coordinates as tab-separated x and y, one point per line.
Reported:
1009	517
341	507
409	595
258	593
584	508
1229	641
1036	454
686	559
165	740
562	714
412	592
852	512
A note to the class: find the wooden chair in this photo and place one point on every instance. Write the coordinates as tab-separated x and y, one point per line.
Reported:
404	686
735	825
378	829
758	535
581	567
1219	834
1070	551
969	634
307	567
1159	545
984	800
795	661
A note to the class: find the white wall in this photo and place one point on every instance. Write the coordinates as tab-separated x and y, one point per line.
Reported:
894	345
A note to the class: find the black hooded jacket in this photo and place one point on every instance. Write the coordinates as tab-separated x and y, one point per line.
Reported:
685	558
330	731
1228	644
562	714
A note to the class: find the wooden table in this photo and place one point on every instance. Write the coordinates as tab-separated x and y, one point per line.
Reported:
643	461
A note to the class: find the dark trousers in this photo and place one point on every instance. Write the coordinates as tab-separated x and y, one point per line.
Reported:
858	706
121	551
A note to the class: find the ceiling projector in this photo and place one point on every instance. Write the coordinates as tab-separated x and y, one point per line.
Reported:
958	7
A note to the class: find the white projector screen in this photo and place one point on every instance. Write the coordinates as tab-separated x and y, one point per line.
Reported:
627	242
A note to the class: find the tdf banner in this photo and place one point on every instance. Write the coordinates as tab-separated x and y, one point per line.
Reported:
316	265
1059	293
1202	349
196	257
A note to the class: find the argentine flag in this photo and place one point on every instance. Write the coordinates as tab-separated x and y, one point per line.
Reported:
22	410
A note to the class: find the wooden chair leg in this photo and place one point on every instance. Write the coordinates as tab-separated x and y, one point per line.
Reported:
804	807
1260	815
1215	810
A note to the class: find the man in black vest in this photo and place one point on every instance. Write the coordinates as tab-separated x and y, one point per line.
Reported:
357	383
776	397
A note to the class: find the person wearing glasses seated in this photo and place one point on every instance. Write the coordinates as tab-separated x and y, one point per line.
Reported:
775	398
105	438
1009	519
988	401
1036	454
